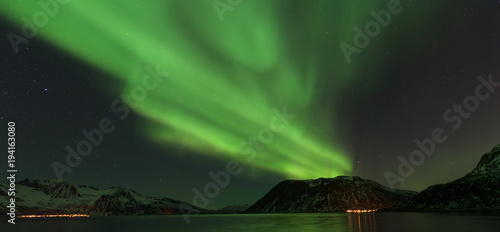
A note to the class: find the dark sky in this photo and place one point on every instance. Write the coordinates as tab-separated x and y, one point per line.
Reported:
396	90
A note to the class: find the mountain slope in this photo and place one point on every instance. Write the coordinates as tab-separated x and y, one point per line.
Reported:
57	197
329	195
478	190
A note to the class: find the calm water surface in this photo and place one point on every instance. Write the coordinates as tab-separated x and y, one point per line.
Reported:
264	223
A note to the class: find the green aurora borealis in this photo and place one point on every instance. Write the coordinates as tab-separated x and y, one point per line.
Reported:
225	77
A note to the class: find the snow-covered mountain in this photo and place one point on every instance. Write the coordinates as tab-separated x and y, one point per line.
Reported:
54	197
478	190
329	195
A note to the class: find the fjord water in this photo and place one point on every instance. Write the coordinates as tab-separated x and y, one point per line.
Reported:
383	221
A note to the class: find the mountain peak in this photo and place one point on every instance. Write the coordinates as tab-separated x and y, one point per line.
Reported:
54	188
478	190
490	162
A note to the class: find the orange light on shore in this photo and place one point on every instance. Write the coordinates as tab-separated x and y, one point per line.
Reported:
54	215
361	210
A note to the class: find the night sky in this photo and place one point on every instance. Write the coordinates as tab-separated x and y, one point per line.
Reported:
190	87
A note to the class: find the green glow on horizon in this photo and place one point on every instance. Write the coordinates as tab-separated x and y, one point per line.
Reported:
225	77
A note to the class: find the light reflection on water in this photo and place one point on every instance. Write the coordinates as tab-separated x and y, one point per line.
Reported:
362	222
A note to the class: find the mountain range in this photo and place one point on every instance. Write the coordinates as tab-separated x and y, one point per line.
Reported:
60	197
478	190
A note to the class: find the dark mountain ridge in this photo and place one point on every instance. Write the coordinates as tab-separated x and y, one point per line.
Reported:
478	190
329	195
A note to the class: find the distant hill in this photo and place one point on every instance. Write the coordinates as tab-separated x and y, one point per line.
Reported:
478	190
329	195
60	197
232	209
